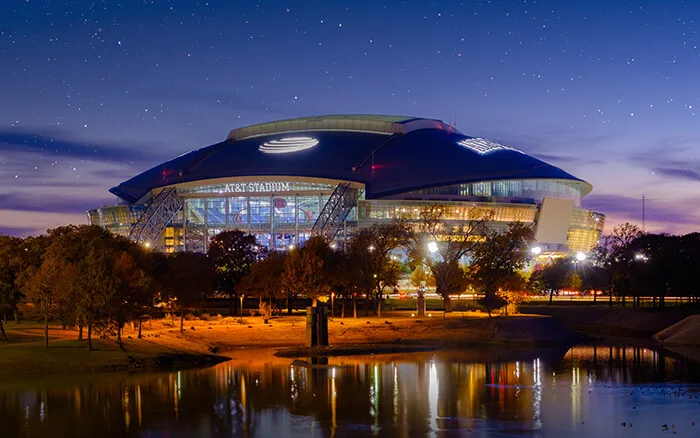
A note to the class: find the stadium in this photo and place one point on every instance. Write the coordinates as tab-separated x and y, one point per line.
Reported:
287	180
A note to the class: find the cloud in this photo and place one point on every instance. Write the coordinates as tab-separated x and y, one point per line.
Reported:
682	173
48	203
23	223
670	212
60	145
671	158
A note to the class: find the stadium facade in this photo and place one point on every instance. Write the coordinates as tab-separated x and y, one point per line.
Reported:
287	180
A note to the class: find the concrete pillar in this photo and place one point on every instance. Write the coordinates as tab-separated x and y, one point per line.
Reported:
316	326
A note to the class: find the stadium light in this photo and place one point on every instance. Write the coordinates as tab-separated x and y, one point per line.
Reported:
580	256
287	145
432	246
536	250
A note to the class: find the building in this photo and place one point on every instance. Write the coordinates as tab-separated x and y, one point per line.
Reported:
285	181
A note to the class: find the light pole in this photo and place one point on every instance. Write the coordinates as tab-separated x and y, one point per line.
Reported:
241	314
332	305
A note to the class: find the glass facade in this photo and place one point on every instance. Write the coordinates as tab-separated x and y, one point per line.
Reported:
584	230
526	190
118	218
282	213
278	213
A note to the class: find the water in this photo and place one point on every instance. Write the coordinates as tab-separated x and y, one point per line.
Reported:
585	391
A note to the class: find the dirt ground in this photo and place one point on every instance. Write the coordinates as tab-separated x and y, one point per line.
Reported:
25	354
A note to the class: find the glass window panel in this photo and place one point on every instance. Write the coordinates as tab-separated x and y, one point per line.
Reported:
238	212
216	211
260	214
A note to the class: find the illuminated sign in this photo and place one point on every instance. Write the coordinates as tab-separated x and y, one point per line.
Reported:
287	145
256	186
483	146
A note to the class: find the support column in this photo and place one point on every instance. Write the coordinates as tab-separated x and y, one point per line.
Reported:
206	225
296	219
184	224
227	211
273	238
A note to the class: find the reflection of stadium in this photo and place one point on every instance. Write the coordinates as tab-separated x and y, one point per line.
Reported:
285	181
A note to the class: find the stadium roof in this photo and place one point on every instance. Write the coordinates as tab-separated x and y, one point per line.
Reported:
389	154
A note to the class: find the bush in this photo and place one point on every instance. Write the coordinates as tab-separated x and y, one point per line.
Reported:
511	301
265	310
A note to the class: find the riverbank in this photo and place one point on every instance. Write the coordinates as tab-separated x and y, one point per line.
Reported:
603	321
165	347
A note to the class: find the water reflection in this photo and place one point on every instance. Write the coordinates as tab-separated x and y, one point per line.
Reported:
585	389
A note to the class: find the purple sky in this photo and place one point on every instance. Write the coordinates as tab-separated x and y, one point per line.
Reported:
94	92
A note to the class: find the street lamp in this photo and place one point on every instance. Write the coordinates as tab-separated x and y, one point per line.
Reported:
580	256
332	305
432	246
241	314
537	250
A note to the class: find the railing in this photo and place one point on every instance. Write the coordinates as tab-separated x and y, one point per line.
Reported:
157	216
332	216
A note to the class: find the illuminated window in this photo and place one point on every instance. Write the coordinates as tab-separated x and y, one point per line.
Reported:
483	146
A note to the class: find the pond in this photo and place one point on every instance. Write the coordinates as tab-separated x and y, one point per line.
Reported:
584	391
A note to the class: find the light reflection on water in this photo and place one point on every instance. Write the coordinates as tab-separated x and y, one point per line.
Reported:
585	391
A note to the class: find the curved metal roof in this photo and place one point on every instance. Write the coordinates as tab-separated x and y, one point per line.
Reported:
389	154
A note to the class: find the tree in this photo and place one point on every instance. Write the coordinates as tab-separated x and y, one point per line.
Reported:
186	281
46	286
421	276
496	264
232	254
265	278
552	277
10	270
307	269
97	287
612	255
370	257
443	239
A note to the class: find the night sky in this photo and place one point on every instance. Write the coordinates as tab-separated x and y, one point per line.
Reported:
92	93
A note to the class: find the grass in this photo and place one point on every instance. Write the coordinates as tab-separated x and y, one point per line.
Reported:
26	355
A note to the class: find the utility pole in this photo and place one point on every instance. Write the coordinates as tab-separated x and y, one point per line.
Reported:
644	228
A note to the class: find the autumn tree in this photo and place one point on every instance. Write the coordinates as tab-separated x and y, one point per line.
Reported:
307	269
46	286
446	235
232	254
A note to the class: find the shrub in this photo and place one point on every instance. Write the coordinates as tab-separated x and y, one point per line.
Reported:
265	311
